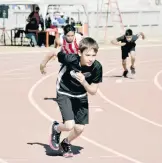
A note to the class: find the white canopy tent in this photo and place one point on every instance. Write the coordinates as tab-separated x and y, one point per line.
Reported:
19	2
43	4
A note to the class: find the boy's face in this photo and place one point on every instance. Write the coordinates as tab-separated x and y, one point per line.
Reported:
129	38
70	36
88	57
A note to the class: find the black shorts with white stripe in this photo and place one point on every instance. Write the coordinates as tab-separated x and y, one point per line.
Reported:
73	108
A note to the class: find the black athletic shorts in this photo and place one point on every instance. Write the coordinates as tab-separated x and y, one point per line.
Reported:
74	108
126	51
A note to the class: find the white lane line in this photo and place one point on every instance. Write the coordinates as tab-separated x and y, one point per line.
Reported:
156	82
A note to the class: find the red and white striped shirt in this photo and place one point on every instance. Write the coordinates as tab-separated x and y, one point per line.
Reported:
70	48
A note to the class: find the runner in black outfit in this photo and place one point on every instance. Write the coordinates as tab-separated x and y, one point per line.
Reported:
79	74
127	43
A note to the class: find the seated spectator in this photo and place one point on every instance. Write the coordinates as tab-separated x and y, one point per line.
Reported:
35	14
32	30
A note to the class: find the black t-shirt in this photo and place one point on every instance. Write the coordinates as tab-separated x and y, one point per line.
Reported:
31	27
129	45
67	84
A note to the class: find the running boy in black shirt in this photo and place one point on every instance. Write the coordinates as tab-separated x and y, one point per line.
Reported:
127	43
79	75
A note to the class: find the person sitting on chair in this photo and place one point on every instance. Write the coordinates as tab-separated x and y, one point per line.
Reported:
31	31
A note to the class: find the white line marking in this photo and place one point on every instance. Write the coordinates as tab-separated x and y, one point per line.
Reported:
36	106
131	81
98	110
109	71
32	101
156	80
119	81
126	110
110	150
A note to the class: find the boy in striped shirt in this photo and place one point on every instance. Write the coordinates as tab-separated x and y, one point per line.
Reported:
67	43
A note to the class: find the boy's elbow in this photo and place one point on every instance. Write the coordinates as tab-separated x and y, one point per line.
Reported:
60	56
93	92
93	89
113	42
60	59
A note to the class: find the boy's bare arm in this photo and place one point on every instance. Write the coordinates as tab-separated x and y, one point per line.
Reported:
114	42
47	58
118	43
141	34
91	88
57	42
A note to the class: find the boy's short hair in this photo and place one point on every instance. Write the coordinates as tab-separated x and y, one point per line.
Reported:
88	43
69	28
128	32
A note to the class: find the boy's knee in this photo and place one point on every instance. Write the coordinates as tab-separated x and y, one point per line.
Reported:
132	54
79	128
69	125
124	61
